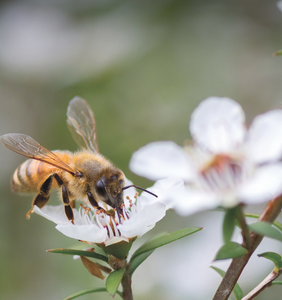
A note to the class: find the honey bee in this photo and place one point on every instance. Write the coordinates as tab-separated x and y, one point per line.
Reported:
85	175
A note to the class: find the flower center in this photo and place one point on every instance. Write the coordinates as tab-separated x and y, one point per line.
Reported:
222	173
104	219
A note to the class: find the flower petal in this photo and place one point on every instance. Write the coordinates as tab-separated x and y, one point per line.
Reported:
190	201
159	160
89	233
217	124
55	214
130	192
144	220
264	185
115	240
164	189
264	140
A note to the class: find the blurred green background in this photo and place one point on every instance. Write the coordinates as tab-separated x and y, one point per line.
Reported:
143	66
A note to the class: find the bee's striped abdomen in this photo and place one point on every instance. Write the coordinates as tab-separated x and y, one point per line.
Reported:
30	175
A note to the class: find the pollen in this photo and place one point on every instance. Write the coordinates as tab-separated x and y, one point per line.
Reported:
85	208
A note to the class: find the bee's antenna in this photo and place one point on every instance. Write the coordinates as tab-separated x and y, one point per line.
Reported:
139	188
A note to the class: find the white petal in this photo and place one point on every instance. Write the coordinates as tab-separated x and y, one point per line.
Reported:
130	192
217	124
265	185
55	214
144	220
115	240
264	140
164	189
279	5
89	233
159	160
190	201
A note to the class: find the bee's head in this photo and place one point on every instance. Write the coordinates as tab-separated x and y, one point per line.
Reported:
109	188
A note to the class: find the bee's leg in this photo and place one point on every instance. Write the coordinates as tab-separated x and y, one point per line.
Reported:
95	204
43	197
72	204
65	197
67	203
92	201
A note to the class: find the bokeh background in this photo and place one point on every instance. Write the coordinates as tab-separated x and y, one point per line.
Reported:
143	66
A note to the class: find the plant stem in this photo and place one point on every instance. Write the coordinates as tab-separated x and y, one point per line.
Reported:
126	285
263	285
244	227
269	214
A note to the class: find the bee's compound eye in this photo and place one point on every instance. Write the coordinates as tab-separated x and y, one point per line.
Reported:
100	184
100	187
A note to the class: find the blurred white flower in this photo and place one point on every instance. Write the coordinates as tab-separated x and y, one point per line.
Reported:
279	5
226	165
137	217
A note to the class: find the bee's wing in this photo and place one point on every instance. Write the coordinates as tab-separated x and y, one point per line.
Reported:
27	146
81	123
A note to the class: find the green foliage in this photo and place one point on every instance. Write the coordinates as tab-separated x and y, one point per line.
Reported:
137	261
114	280
119	250
230	250
237	291
147	249
277	53
277	224
275	258
265	229
80	253
164	239
228	225
89	291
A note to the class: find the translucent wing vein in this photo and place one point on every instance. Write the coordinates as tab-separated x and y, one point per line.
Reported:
27	146
82	125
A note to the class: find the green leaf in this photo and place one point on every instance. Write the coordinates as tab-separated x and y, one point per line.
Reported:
89	291
80	253
114	280
229	224
279	52
256	216
119	250
230	250
276	283
274	257
163	240
265	229
136	261
237	291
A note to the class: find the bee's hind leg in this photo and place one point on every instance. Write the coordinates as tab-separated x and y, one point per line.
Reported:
67	204
43	197
66	200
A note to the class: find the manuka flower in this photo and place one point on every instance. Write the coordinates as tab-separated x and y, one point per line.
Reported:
225	165
93	226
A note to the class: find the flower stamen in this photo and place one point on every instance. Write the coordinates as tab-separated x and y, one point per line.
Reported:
223	173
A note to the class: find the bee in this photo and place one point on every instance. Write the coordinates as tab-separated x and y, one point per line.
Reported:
85	175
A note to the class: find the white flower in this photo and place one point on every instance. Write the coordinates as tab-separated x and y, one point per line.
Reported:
226	165
138	216
279	5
